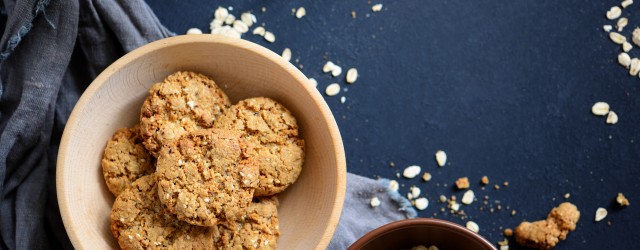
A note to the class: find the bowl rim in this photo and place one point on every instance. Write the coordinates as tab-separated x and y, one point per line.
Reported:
392	226
300	78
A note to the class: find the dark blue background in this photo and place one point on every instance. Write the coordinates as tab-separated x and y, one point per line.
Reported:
504	87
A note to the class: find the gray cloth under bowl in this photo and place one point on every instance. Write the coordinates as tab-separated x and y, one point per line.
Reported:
49	53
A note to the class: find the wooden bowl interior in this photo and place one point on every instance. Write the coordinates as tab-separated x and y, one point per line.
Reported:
309	210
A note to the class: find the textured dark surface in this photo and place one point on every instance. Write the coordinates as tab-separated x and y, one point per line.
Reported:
504	87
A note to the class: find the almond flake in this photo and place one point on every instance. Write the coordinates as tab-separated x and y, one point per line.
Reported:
614	13
617	37
441	158
626	46
624	59
328	67
411	171
336	71
270	37
612	118
601	213
626	3
600	108
376	7
248	18
352	75
333	89
221	14
635	67
194	31
473	226
230	19
286	54
301	12
240	26
259	31
622	22
635	37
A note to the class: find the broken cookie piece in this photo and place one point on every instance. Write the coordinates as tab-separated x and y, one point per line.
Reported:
545	234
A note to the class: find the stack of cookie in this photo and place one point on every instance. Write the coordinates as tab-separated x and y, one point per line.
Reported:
198	172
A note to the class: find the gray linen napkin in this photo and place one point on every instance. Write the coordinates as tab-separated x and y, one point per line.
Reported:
49	53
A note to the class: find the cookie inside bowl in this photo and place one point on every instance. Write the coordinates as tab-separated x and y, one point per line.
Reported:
243	70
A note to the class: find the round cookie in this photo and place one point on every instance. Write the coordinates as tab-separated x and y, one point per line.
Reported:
255	228
183	102
272	132
125	159
139	221
204	176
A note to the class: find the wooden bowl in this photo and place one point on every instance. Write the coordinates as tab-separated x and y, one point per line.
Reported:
309	209
406	234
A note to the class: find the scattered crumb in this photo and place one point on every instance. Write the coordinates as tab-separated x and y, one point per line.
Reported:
567	195
496	187
301	12
353	14
504	242
484	180
601	213
545	234
426	176
343	99
393	185
513	212
622	201
375	202
612	118
376	7
391	164
421	203
508	232
462	183
443	198
506	184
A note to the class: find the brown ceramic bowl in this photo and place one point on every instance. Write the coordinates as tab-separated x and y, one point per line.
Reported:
309	209
406	234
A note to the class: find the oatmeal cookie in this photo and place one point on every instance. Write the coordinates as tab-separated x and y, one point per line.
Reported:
255	228
139	221
125	160
205	175
183	102
272	132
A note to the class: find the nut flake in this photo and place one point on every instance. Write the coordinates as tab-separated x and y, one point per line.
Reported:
230	19
376	7
221	13
248	18
352	75
626	3
622	22
635	36
601	213
612	118
194	31
614	13
301	12
286	54
626	46
259	31
468	197
411	171
336	71
270	37
333	89
473	226
600	108
635	67
421	203
607	28
240	26
617	37
393	185
313	82
328	67
624	59
375	202
441	158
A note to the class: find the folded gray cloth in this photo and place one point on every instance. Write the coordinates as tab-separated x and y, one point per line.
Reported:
49	53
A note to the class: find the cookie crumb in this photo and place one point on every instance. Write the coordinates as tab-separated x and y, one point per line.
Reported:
508	232
496	187
391	164
506	184
443	198
612	118
601	213
567	195
301	12
513	212
378	7
375	202
622	201
462	183
426	176
484	180
353	14
545	234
